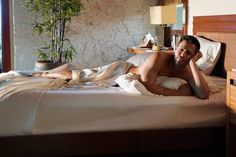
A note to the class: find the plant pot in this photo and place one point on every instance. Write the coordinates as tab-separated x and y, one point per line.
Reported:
46	65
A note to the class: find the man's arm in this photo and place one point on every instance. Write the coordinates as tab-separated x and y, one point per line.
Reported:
197	82
149	72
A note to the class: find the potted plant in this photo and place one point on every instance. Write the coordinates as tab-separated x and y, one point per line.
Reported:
51	18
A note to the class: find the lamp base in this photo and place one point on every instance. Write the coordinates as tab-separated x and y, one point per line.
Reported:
167	36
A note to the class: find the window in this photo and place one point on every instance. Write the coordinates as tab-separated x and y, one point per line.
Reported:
1	37
5	36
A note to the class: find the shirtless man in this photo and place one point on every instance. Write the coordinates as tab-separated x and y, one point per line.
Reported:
180	64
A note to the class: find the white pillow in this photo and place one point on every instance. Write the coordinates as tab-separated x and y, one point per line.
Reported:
130	84
138	59
170	82
210	55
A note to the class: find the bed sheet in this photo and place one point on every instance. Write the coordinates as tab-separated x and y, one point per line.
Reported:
95	108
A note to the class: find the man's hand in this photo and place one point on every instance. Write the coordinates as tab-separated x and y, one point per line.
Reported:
197	82
197	56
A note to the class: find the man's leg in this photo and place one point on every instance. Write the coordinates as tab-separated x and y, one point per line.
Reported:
63	74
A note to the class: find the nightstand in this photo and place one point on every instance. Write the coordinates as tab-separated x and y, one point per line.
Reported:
231	114
138	50
231	90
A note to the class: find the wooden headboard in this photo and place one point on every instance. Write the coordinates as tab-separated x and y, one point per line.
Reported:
221	28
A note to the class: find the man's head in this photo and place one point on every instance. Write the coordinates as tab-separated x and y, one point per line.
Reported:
186	49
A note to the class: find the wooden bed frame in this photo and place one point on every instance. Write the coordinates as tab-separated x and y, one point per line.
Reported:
218	28
222	28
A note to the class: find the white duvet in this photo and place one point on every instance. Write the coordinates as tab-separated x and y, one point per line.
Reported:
31	105
88	108
13	82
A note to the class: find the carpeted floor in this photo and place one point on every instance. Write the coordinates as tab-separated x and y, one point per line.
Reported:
188	153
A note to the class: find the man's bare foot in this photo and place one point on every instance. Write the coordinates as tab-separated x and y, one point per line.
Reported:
64	74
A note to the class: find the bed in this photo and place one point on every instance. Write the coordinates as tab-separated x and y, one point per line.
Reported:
75	123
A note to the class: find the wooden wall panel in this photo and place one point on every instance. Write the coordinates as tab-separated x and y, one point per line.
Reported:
221	28
220	23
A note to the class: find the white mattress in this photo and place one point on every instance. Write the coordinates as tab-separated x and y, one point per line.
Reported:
104	109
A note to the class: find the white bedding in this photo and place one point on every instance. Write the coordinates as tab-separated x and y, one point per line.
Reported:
93	108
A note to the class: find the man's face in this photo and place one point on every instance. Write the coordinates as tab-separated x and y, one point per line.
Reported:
184	52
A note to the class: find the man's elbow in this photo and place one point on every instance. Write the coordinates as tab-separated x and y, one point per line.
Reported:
204	95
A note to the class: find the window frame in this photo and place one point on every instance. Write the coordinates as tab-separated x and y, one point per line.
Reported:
6	41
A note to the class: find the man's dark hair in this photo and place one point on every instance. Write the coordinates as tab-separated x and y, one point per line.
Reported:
191	39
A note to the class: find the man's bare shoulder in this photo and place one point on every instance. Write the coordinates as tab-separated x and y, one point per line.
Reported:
162	54
155	61
166	53
157	58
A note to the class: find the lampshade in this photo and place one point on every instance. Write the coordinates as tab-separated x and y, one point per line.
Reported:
163	14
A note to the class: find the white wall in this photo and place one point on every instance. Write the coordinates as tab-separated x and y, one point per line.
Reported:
209	7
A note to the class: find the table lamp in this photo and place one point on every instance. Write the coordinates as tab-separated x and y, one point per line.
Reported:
163	16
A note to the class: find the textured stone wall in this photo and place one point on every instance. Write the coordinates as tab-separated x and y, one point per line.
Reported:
101	34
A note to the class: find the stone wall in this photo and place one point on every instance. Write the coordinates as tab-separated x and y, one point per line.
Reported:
101	34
